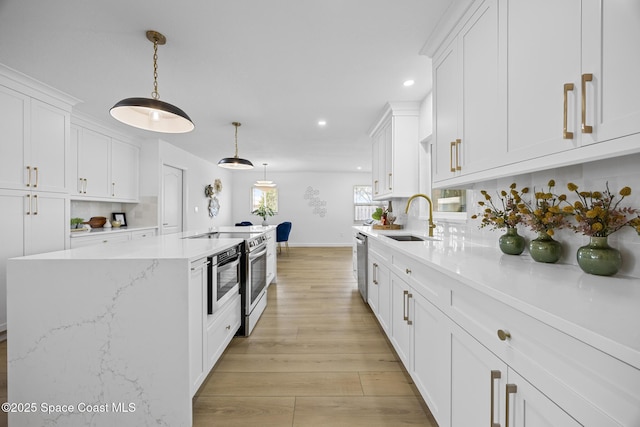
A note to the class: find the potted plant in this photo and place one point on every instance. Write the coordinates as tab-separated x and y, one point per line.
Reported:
544	215
75	222
598	215
506	215
264	211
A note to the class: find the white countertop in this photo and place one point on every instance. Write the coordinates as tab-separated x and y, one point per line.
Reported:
104	231
601	311
169	246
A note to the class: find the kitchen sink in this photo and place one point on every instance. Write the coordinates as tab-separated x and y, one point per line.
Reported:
409	238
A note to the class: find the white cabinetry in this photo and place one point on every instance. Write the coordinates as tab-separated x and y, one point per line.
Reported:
35	140
221	327
469	97
101	237
197	314
379	285
565	70
101	167
395	151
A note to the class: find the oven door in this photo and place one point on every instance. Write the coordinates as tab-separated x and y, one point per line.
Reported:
257	276
228	279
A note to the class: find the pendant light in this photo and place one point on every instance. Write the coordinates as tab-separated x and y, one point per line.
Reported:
151	113
265	185
235	162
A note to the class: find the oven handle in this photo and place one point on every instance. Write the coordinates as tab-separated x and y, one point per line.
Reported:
255	255
229	264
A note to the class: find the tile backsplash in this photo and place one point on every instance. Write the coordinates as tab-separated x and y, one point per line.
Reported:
594	176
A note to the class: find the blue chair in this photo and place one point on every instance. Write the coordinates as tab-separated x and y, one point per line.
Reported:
282	234
243	224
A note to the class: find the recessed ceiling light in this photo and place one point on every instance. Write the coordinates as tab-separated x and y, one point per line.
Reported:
322	122
359	168
408	83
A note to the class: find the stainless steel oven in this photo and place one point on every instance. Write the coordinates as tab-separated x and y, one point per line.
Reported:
256	282
225	267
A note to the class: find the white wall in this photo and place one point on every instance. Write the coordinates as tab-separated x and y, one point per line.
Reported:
309	229
198	173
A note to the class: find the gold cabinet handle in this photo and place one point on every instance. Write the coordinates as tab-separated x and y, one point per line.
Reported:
390	185
565	133
28	196
409	322
452	147
86	184
585	127
503	335
495	375
35	200
375	186
458	143
113	189
510	389
405	313
28	176
80	181
407	270
37	176
228	327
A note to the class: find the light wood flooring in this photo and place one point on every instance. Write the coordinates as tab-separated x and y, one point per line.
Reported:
316	358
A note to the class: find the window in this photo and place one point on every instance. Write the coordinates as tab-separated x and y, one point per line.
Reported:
449	200
261	197
363	203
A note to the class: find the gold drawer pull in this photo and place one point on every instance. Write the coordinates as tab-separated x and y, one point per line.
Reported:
404	306
565	133
585	127
407	270
451	148
503	335
510	389
495	375
458	143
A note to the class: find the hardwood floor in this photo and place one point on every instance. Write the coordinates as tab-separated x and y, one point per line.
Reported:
316	358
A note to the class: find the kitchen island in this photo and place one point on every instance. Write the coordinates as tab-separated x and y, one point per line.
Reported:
103	335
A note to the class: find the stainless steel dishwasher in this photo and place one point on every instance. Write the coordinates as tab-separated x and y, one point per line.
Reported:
361	255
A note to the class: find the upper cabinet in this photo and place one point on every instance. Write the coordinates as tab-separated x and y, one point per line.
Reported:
395	151
469	97
101	166
35	138
520	84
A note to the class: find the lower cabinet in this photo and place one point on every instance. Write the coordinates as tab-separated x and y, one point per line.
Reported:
221	327
197	312
479	361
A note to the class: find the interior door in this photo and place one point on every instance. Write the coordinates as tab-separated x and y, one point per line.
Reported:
172	200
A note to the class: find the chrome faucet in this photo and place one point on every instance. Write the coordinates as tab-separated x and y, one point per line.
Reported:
424	196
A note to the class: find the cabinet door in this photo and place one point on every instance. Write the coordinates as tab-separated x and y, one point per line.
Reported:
373	280
610	30
13	206
93	163
124	170
197	311
431	356
476	373
529	407
389	152
376	157
48	146
400	323
47	227
384	297
482	141
14	111
446	99
543	42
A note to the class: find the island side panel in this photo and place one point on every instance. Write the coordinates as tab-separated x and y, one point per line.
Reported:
106	335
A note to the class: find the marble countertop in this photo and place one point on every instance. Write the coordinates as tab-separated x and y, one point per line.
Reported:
601	311
103	231
169	246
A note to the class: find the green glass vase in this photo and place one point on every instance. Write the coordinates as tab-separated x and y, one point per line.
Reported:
599	258
545	249
511	243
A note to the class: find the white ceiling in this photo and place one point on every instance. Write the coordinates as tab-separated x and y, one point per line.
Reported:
276	66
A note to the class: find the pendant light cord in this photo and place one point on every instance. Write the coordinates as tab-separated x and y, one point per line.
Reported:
155	94
236	124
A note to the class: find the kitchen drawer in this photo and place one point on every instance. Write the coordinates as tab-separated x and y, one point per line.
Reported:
221	327
142	234
78	242
425	280
381	250
575	375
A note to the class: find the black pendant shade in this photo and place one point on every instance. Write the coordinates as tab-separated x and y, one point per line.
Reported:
235	162
152	114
